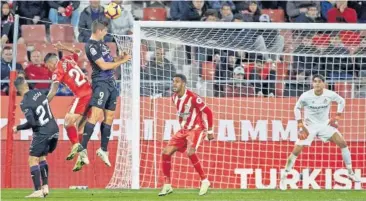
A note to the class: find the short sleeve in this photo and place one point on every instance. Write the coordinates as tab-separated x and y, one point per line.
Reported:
198	103
95	52
58	74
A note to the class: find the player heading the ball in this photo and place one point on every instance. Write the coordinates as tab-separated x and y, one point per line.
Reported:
317	103
105	92
193	131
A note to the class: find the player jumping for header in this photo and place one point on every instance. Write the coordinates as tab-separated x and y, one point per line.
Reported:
45	134
67	72
193	131
105	93
316	104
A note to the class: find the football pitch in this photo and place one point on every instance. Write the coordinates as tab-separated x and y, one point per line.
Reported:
187	195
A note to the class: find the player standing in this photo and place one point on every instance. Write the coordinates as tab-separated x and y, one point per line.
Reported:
105	93
66	71
45	134
190	113
316	104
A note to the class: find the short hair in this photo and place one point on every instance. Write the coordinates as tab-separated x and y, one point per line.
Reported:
225	5
181	76
98	25
19	82
319	76
50	56
211	12
7	48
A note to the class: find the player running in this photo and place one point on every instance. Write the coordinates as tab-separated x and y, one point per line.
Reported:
316	104
105	93
45	134
193	131
66	71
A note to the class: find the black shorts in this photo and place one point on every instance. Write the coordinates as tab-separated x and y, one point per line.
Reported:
43	144
105	95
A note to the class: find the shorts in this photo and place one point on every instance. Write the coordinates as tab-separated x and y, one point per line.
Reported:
43	144
104	95
80	105
184	139
324	132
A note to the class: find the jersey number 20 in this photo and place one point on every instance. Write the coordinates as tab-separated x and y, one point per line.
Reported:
76	72
41	112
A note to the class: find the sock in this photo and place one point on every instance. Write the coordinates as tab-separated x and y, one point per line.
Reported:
36	177
105	131
44	172
197	165
72	134
290	162
88	131
166	163
346	155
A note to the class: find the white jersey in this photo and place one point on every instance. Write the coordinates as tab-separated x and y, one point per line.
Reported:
316	108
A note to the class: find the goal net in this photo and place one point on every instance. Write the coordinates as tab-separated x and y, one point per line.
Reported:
250	75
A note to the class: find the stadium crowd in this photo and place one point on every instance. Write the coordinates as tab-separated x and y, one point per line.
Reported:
239	67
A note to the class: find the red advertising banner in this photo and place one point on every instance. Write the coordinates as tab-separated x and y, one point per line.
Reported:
254	136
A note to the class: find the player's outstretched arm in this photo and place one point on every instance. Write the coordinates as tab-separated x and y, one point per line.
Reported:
112	65
53	91
61	46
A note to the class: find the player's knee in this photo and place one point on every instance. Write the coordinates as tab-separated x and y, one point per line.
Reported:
297	150
190	152
69	120
96	114
167	151
109	118
42	158
32	161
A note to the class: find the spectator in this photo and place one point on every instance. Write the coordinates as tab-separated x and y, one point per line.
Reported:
93	12
226	13
6	66
259	73
64	12
217	4
238	88
211	15
160	68
304	59
122	25
188	10
7	24
295	8
311	16
224	71
34	11
270	41
342	14
325	6
36	70
238	17
360	7
301	85
338	68
251	8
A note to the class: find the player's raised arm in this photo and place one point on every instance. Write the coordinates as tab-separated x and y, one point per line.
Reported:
51	61
61	47
53	90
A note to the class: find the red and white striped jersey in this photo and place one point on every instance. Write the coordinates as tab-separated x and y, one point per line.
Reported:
189	108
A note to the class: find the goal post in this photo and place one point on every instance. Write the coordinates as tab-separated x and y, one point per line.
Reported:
254	122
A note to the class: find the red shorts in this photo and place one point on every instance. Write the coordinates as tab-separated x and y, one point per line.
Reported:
187	138
80	104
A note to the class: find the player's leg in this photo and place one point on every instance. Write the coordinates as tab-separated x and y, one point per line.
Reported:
35	172
106	126
292	158
194	140
338	139
43	166
70	126
167	153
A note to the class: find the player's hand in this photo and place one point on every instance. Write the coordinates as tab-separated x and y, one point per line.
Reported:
15	129
303	132
334	122
210	137
58	45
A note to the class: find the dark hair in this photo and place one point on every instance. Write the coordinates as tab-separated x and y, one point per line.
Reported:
98	25
19	82
319	76
49	56
7	48
225	5
211	12
181	76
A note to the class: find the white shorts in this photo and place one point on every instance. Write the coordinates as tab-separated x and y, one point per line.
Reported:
324	132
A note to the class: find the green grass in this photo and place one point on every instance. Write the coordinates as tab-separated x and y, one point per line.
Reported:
187	195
